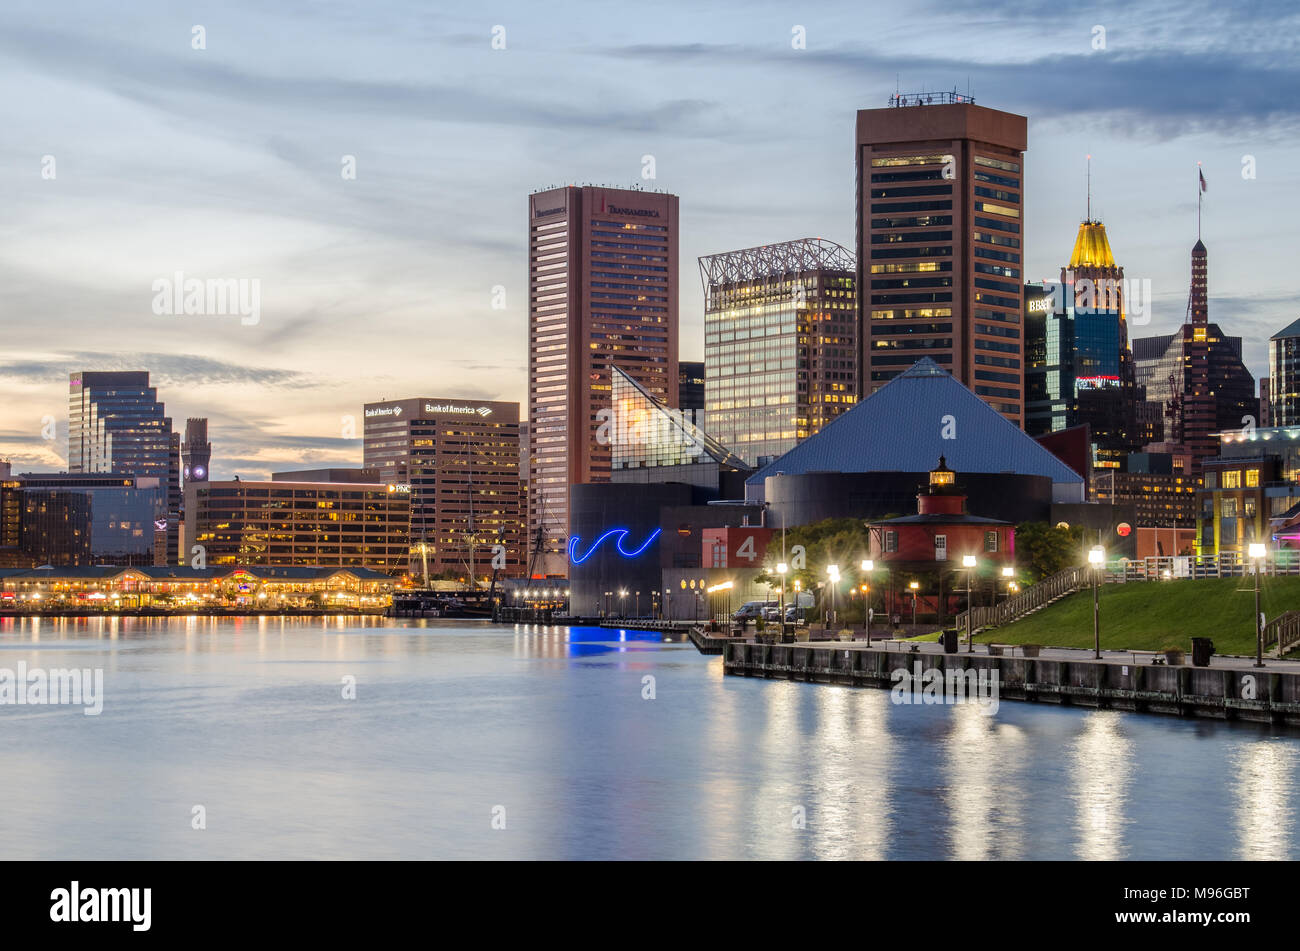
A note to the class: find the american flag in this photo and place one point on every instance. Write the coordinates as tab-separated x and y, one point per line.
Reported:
1202	174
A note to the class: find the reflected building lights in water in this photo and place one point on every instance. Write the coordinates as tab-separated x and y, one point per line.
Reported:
1101	773
851	774
984	758
770	803
1265	774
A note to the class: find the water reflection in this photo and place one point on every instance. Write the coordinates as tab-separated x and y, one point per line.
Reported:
984	800
1102	761
453	718
1264	786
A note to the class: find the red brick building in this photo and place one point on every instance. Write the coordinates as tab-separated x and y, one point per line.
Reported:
929	547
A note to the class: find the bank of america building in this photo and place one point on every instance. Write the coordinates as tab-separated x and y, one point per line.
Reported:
459	461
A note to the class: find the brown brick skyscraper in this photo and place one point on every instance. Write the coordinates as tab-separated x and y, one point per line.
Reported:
941	244
602	292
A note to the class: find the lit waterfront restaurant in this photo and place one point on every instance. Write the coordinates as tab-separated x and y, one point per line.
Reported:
167	587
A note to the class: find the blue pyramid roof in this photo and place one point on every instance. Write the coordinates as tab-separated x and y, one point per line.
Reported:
900	428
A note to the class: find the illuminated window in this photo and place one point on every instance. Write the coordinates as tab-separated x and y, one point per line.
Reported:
1252	478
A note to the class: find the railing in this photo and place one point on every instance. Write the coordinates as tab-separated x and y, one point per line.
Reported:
1226	565
1284	631
1064	582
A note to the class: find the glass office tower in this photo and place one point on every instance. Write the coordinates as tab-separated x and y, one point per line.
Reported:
116	424
780	344
1284	377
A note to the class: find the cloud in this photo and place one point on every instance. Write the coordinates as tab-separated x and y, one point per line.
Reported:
165	369
170	82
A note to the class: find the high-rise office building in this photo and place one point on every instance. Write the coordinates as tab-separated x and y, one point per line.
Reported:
1197	374
602	292
1078	365
780	344
117	424
940	238
1283	384
458	460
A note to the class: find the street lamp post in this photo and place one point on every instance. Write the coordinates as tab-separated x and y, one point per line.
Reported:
1096	557
1257	553
968	562
1009	573
781	569
622	602
913	586
867	566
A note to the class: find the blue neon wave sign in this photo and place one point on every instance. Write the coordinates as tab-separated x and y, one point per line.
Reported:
622	533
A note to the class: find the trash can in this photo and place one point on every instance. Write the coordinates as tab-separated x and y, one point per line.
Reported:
949	639
1202	651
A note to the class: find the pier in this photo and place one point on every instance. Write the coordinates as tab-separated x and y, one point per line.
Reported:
1229	688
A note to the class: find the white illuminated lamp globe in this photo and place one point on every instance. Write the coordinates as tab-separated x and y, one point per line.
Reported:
1257	550
968	561
1096	555
1007	571
868	564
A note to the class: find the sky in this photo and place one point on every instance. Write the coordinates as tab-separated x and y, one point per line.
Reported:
129	155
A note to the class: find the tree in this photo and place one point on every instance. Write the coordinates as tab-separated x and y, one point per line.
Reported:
833	541
1045	549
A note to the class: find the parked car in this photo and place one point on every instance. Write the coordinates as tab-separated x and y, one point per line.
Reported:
752	610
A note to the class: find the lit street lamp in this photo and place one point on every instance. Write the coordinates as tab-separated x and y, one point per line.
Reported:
622	595
833	571
1257	553
1096	557
914	585
968	562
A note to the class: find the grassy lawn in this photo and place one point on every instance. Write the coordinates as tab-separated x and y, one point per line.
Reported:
1157	615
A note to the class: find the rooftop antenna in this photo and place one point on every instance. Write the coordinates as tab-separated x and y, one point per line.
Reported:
1089	180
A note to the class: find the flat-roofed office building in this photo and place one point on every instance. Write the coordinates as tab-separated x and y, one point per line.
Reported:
298	524
941	244
602	292
459	461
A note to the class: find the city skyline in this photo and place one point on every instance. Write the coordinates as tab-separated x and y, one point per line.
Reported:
228	159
